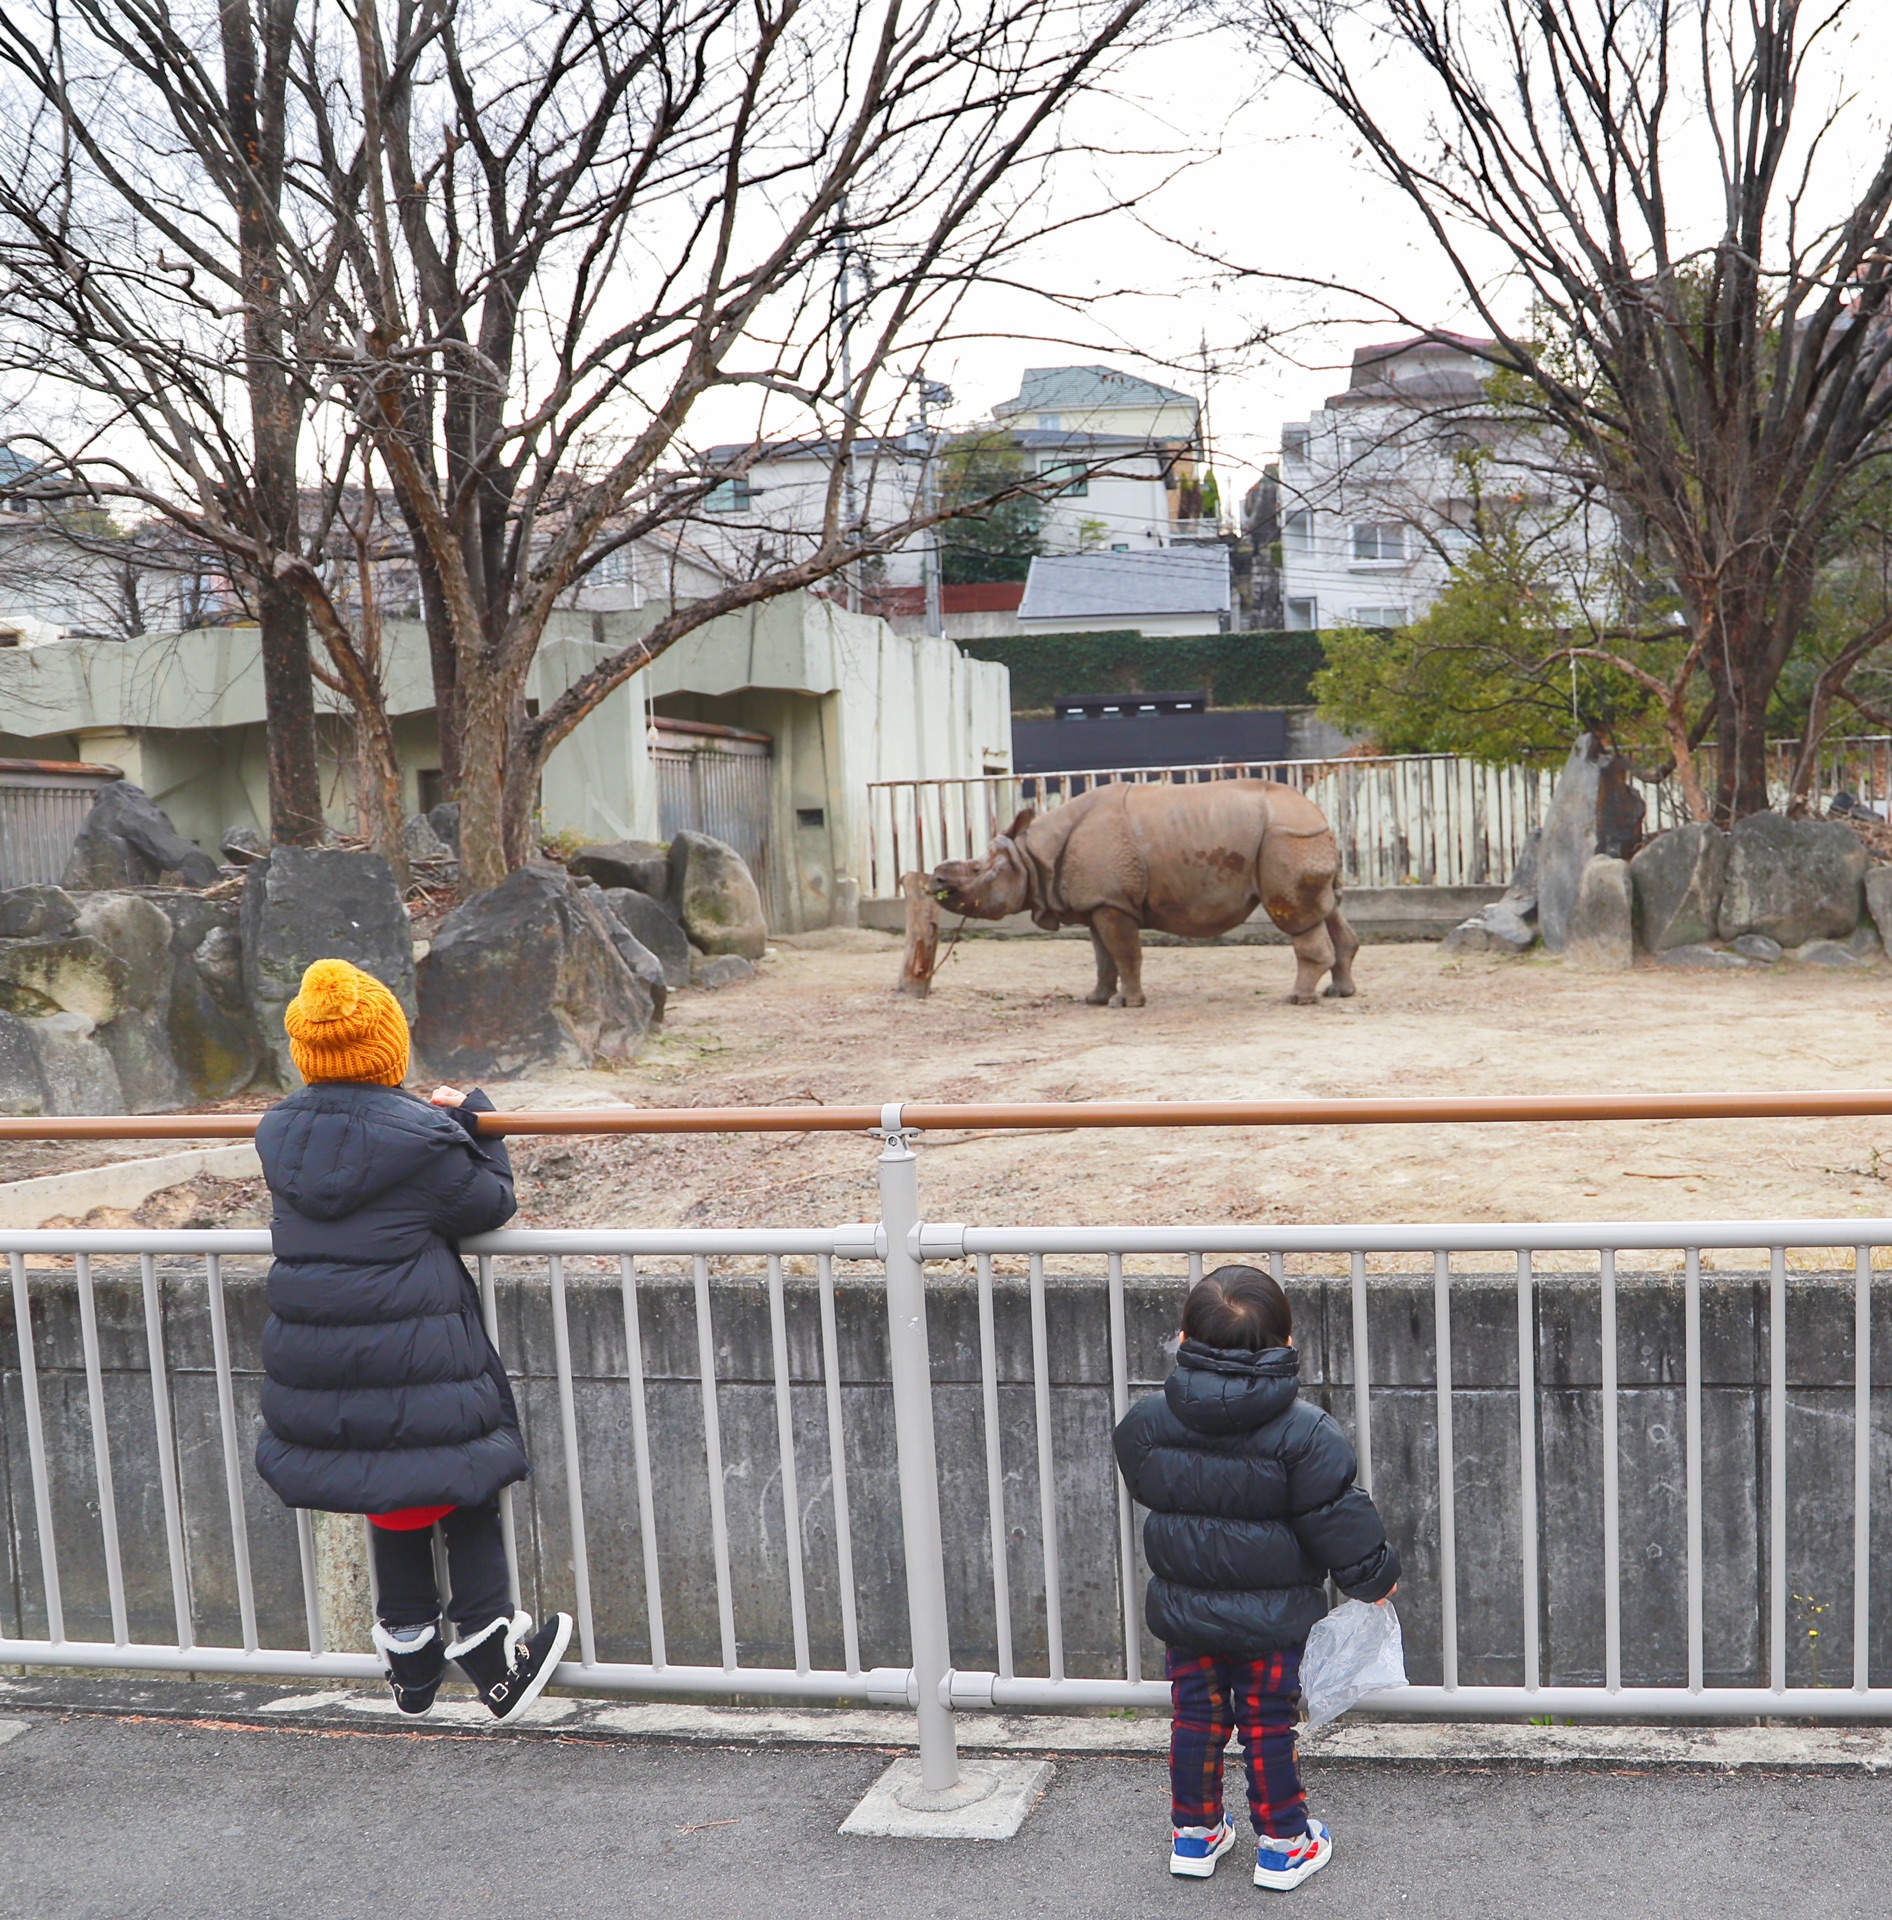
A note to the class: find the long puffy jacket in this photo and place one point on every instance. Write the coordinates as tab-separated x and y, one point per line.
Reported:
382	1389
1252	1505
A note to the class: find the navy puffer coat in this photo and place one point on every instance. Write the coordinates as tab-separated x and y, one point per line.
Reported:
1252	1505
382	1389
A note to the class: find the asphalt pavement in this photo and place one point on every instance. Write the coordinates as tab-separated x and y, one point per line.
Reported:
124	1817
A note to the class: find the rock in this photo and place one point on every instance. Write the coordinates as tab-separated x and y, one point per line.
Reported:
714	895
721	970
77	1072
1699	956
654	927
208	1024
70	975
130	926
26	913
1793	880
636	955
1824	953
1498	928
126	840
140	1047
1863	942
218	958
1524	880
1592	804
424	845
1758	948
641	865
1678	879
524	975
243	846
445	821
312	903
22	1089
1601	929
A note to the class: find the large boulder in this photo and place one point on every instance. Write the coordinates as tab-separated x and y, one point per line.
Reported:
653	926
1601	929
1879	903
73	974
641	865
445	821
22	1090
127	840
423	846
1678	878
304	904
527	975
1593	810
1793	880
1500	927
28	913
76	1071
138	933
714	895
636	955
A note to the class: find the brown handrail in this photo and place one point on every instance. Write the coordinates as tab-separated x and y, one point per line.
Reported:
1025	1116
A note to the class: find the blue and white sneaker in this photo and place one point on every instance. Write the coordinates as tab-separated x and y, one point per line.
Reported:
1193	1851
1283	1864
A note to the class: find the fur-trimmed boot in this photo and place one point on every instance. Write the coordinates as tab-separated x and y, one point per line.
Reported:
509	1663
415	1659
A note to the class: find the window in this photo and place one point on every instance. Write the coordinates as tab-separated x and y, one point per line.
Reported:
1051	423
1074	488
1294	443
1303	616
1376	541
1297	532
730	496
1379	616
811	816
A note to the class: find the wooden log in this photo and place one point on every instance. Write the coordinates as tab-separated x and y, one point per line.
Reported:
922	949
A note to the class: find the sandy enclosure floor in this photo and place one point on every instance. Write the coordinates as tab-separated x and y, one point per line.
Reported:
1007	1021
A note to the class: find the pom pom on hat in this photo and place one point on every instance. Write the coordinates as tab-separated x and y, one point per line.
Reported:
345	1025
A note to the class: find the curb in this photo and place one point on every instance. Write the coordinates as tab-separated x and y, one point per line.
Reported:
119	1183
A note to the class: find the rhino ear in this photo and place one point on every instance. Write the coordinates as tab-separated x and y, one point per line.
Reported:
1019	825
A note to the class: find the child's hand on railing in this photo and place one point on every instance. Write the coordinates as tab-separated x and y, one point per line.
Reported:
446	1097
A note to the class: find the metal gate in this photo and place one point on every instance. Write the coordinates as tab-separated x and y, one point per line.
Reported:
43	804
717	780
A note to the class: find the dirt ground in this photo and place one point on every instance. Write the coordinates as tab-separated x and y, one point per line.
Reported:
1007	1020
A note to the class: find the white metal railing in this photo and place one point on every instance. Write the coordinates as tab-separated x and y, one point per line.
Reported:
917	1668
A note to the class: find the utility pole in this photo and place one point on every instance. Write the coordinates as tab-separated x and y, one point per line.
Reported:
932	394
851	414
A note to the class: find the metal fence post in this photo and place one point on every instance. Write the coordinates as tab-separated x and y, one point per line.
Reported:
910	1369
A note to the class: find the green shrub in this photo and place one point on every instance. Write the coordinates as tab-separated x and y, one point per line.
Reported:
1236	669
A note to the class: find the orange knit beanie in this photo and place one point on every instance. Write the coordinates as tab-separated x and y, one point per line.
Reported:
345	1025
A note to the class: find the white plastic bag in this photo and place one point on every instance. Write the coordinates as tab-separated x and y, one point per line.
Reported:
1354	1651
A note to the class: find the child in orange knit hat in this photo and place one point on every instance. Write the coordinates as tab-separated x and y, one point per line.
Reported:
384	1395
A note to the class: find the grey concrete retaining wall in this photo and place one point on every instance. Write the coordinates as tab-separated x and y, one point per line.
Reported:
1485	1413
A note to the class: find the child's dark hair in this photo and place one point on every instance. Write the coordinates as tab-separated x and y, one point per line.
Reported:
1238	1307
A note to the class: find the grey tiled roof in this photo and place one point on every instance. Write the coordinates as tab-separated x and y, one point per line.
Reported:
1055	389
1087	586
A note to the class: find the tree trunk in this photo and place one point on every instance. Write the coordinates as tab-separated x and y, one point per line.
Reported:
380	816
920	961
295	784
485	742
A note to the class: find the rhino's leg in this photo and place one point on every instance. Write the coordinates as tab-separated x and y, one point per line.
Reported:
1116	934
1346	945
1100	995
1313	956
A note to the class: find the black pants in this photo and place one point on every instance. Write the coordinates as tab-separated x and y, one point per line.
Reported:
408	1594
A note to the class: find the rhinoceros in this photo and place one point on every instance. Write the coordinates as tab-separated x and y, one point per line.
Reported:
1192	860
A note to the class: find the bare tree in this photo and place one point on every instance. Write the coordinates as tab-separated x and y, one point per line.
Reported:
1695	301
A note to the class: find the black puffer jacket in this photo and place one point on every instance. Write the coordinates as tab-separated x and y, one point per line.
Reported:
382	1389
1252	1505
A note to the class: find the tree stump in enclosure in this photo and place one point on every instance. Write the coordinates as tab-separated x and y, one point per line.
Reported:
922	949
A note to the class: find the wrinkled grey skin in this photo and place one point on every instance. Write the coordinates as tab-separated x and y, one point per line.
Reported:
1190	860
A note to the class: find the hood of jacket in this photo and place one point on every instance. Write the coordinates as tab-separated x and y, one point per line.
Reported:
331	1149
1221	1390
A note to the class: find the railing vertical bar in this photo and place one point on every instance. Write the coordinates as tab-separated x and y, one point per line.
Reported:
1047	1471
1777	1471
311	1582
36	1452
166	1450
1195	1268
1362	1377
101	1451
574	1484
640	1441
837	1466
508	1523
1528	1544
1448	1517
1612	1489
785	1446
1862	1469
1691	1375
713	1459
994	1468
1126	1519
232	1463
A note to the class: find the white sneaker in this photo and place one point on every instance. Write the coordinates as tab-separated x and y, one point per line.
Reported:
1193	1851
1283	1864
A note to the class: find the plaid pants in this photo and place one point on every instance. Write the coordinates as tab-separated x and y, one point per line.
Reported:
1210	1698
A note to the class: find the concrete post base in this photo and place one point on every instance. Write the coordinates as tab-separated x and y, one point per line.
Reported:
990	1802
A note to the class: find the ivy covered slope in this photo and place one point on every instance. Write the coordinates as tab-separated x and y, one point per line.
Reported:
1237	669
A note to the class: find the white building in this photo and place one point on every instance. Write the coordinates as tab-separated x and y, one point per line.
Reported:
1384	487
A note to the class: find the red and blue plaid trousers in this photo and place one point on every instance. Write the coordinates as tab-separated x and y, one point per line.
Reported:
1210	1698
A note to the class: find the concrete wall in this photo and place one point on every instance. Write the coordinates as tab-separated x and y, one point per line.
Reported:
1485	1413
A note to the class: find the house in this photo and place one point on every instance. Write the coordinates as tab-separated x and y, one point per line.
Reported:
1383	488
1172	590
812	701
